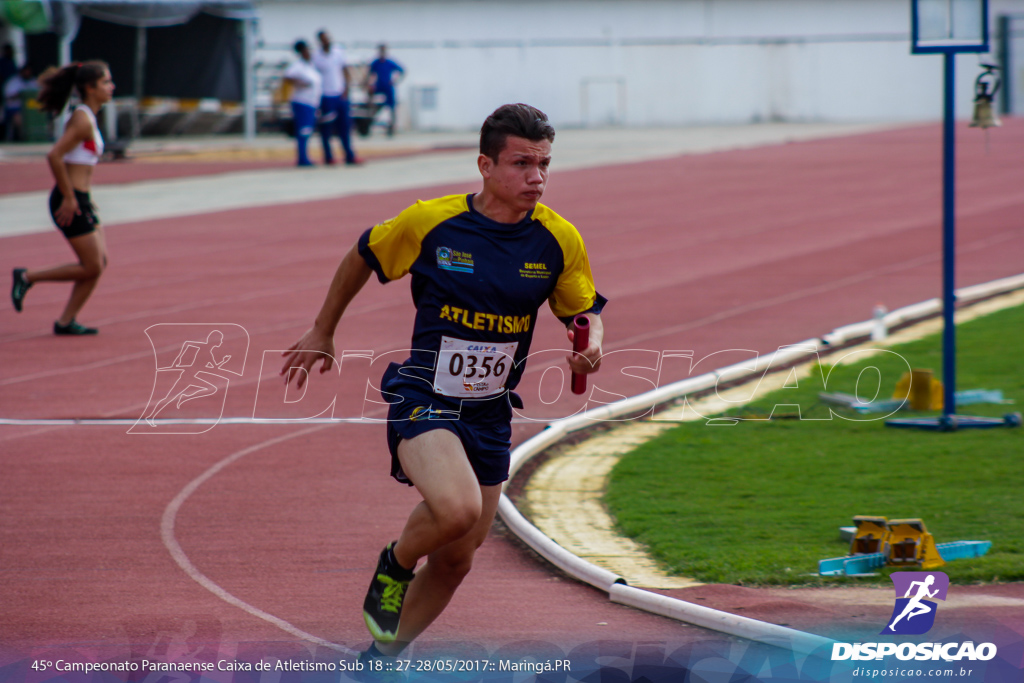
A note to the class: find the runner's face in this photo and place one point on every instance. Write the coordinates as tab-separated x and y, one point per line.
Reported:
519	177
103	88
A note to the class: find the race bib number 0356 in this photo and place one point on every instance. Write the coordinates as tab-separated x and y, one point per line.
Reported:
472	369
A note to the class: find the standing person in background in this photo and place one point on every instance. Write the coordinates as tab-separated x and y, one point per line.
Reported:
71	162
305	81
13	88
8	67
383	81
329	60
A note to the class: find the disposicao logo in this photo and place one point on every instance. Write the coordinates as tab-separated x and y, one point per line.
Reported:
914	614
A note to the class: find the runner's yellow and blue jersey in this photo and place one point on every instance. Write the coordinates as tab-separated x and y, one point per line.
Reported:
477	286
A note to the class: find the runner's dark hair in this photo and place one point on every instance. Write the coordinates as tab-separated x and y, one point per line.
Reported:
519	120
55	83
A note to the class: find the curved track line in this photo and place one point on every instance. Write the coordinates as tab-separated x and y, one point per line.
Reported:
171	543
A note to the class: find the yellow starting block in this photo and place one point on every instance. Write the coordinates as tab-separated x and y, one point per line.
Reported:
878	541
870	536
911	544
921	387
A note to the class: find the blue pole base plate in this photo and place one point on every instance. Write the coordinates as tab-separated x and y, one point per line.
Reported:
951	423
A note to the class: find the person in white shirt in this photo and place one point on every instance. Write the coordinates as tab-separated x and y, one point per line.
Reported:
306	84
329	60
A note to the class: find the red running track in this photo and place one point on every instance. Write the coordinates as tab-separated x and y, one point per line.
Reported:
742	249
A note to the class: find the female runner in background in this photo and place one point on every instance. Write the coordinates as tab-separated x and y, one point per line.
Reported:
71	161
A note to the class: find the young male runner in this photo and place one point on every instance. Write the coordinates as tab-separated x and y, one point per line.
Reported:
482	265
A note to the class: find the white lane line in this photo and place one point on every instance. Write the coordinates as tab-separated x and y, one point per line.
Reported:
172	545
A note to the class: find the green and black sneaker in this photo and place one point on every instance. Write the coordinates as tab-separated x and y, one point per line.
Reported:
382	608
19	287
73	329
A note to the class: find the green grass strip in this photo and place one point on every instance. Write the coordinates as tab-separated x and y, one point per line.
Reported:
761	502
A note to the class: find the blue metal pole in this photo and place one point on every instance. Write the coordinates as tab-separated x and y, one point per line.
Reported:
949	240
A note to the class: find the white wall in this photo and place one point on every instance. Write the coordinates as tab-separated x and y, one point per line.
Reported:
643	62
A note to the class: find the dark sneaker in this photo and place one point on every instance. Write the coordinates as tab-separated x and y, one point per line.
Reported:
73	329
19	287
382	607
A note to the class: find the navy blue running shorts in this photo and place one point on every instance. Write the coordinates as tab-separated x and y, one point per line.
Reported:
483	427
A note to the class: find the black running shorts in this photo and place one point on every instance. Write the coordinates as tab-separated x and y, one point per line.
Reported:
83	223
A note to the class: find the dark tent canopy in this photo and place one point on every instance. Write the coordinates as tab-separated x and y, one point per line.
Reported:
200	58
187	50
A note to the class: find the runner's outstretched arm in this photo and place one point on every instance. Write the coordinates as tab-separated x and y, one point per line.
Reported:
318	342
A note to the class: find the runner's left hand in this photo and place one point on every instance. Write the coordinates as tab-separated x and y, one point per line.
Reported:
589	359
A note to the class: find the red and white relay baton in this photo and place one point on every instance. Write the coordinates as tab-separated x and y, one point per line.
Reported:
580	341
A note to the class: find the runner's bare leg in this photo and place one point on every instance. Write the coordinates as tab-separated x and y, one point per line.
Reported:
447	527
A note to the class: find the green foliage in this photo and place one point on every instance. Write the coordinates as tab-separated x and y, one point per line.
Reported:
760	502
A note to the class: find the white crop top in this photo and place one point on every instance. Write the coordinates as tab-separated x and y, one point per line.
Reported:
87	152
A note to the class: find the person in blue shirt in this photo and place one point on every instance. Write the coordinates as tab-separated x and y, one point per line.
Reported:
481	266
385	74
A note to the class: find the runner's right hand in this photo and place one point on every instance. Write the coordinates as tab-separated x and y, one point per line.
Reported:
67	211
313	346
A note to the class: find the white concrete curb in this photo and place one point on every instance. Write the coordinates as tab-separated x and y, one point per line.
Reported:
716	620
616	587
554	553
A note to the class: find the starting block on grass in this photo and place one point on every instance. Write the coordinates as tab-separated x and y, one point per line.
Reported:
910	544
879	542
920	389
870	536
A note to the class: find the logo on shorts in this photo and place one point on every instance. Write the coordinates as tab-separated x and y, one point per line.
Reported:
421	413
913	613
453	259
